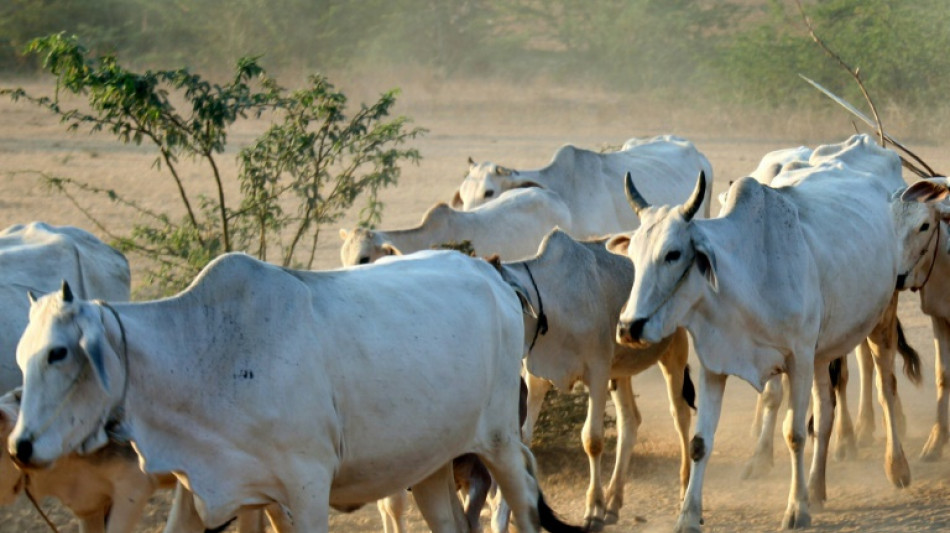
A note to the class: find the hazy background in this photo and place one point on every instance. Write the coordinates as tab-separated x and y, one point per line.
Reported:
743	55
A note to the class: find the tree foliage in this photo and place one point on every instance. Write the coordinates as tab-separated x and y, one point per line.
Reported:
728	49
305	171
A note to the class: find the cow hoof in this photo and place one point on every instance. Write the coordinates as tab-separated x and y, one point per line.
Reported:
611	517
933	449
688	524
864	434
846	450
898	471
593	524
816	499
757	468
796	518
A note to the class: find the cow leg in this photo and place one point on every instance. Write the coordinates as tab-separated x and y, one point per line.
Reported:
308	508
537	389
800	379
824	398
183	516
438	502
770	399
883	344
512	467
278	518
479	484
501	513
628	421
845	444
94	522
133	492
864	429
673	365
592	436
940	433
250	520
392	510
711	388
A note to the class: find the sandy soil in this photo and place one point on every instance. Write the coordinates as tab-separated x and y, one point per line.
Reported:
521	128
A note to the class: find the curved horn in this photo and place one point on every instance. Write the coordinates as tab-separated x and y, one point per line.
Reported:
637	202
696	199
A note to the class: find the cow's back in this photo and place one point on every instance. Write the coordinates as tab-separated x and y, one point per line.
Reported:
663	168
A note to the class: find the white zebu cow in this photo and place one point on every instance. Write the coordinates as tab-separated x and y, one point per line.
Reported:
309	390
933	281
664	169
778	168
37	257
762	290
578	289
511	227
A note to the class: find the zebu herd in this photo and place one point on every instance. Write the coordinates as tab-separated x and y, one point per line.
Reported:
347	372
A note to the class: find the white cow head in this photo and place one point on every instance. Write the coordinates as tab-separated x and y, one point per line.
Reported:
917	216
72	380
11	478
483	182
363	246
668	251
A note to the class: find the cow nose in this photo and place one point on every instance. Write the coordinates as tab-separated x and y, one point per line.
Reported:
630	332
636	328
24	451
901	279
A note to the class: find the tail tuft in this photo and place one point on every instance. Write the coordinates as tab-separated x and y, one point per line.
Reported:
551	522
910	355
689	390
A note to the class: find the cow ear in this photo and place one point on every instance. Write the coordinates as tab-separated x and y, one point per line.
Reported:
618	244
502	171
706	262
32	296
526	306
67	292
389	249
90	343
926	191
471	162
343	234
457	199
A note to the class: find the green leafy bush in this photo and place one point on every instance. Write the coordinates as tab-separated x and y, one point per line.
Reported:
305	171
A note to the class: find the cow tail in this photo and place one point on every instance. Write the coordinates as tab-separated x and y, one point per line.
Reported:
834	368
547	518
551	522
910	355
689	390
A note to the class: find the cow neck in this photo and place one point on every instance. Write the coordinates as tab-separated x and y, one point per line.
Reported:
542	326
117	413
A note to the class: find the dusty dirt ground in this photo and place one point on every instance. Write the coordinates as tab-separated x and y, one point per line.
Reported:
522	128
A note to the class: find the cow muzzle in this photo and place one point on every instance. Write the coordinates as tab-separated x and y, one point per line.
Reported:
24	455
630	333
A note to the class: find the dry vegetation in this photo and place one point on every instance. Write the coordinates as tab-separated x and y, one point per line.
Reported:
521	127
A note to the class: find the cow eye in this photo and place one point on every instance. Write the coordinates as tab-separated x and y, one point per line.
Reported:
364	260
673	256
56	354
489	194
925	227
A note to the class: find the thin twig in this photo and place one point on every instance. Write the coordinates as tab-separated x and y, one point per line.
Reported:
855	73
